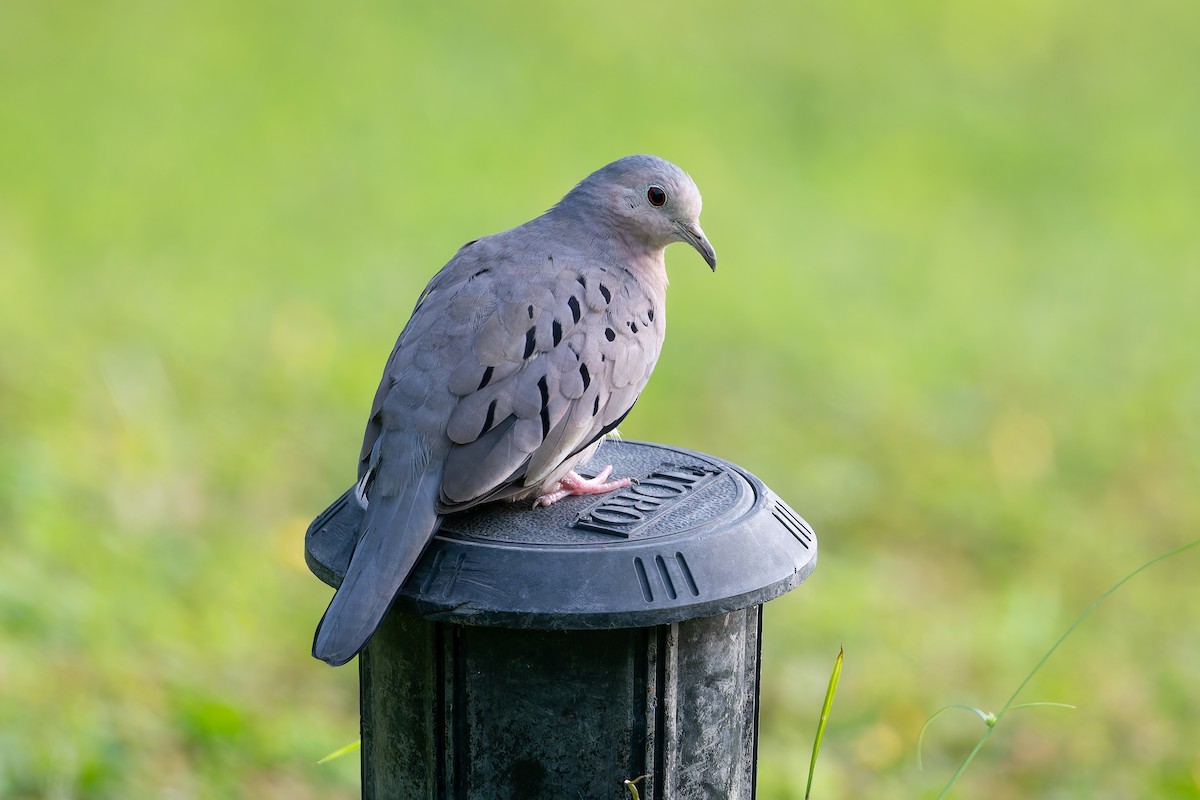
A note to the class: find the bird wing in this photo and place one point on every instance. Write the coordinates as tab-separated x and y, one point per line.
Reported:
556	363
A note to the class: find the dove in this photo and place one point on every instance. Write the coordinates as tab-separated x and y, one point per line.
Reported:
521	355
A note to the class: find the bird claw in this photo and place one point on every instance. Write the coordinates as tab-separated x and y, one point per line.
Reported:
574	484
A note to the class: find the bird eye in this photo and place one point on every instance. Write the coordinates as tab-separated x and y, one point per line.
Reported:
656	196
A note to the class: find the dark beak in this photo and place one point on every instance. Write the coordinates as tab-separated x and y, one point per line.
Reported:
690	232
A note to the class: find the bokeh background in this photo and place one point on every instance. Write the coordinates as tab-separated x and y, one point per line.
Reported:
955	325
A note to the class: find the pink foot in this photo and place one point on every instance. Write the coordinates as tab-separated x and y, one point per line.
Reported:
575	484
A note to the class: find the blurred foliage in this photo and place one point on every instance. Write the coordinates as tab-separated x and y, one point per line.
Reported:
955	325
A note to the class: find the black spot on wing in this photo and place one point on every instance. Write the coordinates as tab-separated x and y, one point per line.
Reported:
555	332
633	327
587	377
489	419
612	426
607	294
603	431
650	314
574	304
545	413
610	334
530	339
487	378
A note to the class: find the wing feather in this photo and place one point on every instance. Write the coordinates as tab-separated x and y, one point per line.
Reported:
552	368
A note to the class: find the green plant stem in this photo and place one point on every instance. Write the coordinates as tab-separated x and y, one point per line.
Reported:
1046	657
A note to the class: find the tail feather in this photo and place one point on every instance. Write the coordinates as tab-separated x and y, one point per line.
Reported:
395	533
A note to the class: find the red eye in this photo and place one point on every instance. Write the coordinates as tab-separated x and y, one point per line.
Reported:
656	196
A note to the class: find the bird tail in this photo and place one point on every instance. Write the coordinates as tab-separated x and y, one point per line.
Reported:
395	532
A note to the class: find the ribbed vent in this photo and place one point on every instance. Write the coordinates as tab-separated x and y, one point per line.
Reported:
795	525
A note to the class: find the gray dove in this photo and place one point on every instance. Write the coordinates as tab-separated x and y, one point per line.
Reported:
522	353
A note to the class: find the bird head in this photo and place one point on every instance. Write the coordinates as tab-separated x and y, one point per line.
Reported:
648	201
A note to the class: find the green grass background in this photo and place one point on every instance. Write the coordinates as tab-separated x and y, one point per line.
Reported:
955	325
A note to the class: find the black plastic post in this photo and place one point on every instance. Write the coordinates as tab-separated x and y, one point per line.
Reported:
556	653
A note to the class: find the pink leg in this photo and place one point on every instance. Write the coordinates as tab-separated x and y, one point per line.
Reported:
575	484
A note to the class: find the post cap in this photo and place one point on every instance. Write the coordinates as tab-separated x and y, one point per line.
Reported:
696	536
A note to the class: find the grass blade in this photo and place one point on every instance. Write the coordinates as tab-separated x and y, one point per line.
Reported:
829	693
341	751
